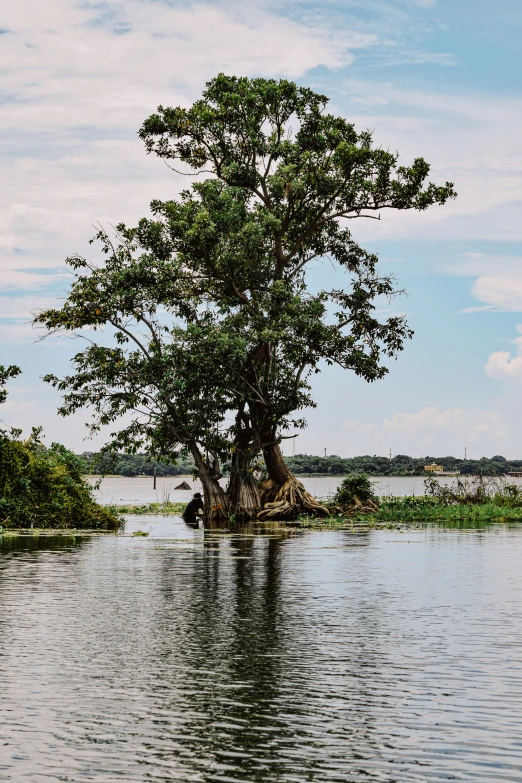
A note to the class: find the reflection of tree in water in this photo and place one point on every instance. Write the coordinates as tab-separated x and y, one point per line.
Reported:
267	682
13	545
229	643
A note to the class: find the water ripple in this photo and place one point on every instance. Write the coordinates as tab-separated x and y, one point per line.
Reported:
322	657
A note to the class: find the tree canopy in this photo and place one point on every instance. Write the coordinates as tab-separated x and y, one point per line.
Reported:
216	327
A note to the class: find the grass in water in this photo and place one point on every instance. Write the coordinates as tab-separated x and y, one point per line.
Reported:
424	509
174	509
475	502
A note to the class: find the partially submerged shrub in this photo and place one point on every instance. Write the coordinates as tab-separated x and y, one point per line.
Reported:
355	490
477	491
44	488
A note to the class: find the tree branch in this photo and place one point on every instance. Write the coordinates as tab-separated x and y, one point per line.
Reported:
129	334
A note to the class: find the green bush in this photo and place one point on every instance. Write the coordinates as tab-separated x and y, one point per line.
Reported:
44	488
355	487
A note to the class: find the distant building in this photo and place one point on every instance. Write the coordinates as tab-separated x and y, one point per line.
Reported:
433	468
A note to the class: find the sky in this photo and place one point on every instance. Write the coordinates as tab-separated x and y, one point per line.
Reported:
432	78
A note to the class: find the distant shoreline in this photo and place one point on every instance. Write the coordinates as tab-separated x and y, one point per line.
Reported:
297	476
309	466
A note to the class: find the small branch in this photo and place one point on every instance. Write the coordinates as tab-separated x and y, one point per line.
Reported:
153	332
301	265
244	396
242	297
252	388
129	334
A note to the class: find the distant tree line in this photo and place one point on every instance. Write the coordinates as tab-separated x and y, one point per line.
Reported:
308	464
400	465
134	465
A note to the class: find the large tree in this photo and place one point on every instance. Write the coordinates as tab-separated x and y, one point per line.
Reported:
304	173
208	303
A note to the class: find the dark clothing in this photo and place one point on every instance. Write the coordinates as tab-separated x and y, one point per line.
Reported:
189	515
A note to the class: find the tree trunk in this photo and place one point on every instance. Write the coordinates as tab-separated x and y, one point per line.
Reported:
242	489
216	509
282	496
276	466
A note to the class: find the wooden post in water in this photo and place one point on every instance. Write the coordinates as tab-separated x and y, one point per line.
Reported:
154	476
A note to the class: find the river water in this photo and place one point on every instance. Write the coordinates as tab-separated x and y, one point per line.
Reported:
137	490
321	656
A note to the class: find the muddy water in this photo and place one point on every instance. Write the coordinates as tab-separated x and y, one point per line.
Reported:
328	656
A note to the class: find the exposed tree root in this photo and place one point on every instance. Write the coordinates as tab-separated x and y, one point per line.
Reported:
357	507
288	501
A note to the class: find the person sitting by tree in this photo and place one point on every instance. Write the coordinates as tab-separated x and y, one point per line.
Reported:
192	513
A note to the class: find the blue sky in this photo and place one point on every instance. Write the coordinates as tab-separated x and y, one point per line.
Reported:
432	77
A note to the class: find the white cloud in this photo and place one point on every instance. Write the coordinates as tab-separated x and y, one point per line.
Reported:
24	280
498	283
80	78
478	150
72	61
502	292
428	431
23	306
503	366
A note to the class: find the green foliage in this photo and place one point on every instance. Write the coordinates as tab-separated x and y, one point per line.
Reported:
400	465
356	486
299	172
173	509
44	488
5	374
134	465
428	510
207	305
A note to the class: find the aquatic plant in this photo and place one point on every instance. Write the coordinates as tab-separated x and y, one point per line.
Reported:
169	508
429	511
477	490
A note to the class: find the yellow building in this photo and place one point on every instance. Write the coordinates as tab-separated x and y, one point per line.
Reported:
433	468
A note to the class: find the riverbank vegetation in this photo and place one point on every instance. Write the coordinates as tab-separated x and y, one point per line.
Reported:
118	464
474	500
166	508
44	487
